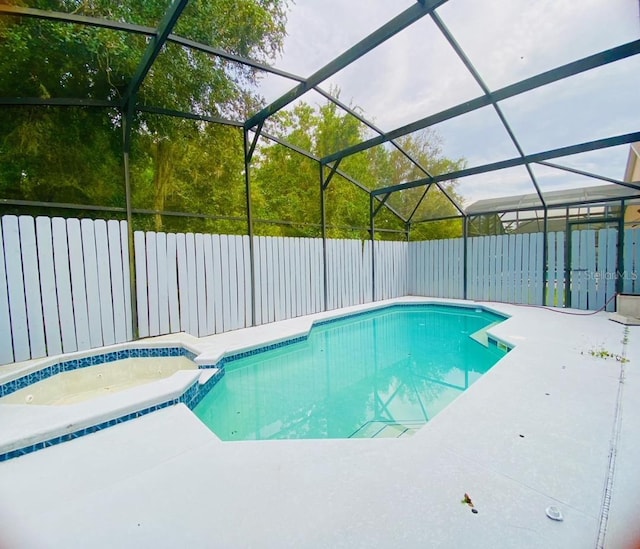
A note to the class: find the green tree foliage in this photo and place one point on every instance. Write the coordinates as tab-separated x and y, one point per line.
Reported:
73	155
286	185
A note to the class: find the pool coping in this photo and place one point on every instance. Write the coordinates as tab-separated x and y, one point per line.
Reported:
29	428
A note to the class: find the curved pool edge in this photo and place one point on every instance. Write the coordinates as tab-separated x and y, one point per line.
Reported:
209	352
294	333
29	428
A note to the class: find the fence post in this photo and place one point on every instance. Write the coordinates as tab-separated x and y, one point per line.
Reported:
323	221
545	256
127	122
248	151
373	247
465	264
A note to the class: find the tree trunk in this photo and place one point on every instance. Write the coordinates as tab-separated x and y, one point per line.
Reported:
162	178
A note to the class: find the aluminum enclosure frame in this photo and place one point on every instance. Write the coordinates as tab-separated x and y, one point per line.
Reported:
328	166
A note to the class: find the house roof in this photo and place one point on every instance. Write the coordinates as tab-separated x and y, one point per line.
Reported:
594	194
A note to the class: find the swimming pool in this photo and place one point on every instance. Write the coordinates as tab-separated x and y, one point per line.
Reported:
382	373
55	399
81	384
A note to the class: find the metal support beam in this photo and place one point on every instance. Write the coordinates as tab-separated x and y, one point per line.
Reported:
127	126
204	48
382	203
100	22
254	142
483	86
323	221
545	256
465	260
528	84
372	233
592	175
519	161
424	194
621	274
442	218
131	28
150	31
366	190
339	172
56	102
567	260
153	49
393	142
391	28
247	183
188	115
332	172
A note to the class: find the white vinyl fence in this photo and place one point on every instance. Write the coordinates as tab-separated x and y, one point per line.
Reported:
436	268
194	283
64	286
506	268
499	268
201	284
65	283
594	268
510	268
391	269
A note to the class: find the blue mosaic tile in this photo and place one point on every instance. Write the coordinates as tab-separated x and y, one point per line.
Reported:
263	349
66	366
191	397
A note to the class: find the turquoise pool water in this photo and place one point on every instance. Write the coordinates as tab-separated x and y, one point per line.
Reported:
380	374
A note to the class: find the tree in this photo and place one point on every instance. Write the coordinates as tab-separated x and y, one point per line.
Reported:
287	185
46	59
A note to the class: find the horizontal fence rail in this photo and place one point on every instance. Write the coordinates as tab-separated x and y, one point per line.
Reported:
65	283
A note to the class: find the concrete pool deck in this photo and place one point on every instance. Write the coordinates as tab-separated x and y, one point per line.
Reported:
537	430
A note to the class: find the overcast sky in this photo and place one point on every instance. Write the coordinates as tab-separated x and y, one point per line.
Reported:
416	73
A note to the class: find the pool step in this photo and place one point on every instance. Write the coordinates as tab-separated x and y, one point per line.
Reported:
387	429
481	335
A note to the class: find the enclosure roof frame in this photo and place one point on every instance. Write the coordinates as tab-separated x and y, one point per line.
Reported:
162	34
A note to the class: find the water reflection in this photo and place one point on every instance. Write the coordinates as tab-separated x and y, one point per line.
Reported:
402	365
